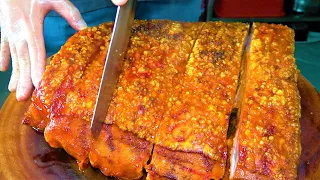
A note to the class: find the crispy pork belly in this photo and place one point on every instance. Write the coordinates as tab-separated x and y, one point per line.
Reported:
68	65
267	141
175	96
169	164
196	119
114	152
157	54
153	58
71	111
120	153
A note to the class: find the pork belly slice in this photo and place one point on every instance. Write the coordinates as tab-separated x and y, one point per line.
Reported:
69	64
267	141
169	164
74	99
196	120
158	52
69	128
120	153
114	152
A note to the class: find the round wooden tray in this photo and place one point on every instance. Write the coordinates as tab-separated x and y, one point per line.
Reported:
24	154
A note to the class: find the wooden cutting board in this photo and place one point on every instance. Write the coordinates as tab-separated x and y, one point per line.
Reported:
24	154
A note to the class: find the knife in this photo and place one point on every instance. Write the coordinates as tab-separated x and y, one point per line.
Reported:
114	60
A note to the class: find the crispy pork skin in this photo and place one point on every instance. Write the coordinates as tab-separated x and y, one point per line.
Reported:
196	119
174	98
68	65
157	54
171	164
267	141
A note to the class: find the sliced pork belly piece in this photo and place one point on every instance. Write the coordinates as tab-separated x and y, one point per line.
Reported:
71	112
180	165
114	152
152	48
267	141
196	120
120	153
158	52
68	64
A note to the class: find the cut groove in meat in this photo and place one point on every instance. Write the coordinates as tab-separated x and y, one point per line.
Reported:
170	111
196	119
73	101
182	165
234	116
267	141
157	54
68	65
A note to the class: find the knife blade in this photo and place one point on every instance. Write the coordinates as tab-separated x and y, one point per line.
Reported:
114	60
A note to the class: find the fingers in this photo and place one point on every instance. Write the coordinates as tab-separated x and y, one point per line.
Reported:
4	53
15	69
119	2
68	11
24	88
37	50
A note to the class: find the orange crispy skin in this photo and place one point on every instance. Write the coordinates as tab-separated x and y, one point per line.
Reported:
73	135
158	51
176	91
69	128
67	65
198	110
154	176
120	154
114	152
181	165
267	142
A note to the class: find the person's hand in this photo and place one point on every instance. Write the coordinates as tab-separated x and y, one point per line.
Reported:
21	23
119	2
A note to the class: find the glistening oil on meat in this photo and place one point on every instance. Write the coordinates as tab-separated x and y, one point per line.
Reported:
170	111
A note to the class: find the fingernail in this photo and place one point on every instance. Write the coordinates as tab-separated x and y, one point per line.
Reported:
1	65
20	93
1	62
23	92
12	85
36	78
82	24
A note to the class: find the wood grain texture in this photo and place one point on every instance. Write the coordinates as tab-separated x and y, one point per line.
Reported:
24	154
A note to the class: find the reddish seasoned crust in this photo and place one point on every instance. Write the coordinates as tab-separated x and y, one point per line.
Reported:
67	65
76	97
154	176
71	110
71	134
198	110
170	164
158	51
114	152
179	96
68	128
120	154
267	142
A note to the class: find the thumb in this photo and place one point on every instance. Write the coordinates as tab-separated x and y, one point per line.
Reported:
119	2
68	11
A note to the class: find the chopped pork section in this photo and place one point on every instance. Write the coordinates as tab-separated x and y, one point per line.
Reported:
196	118
267	141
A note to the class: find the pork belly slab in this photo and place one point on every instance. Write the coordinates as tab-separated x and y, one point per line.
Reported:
267	141
157	55
170	111
67	66
157	51
196	121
